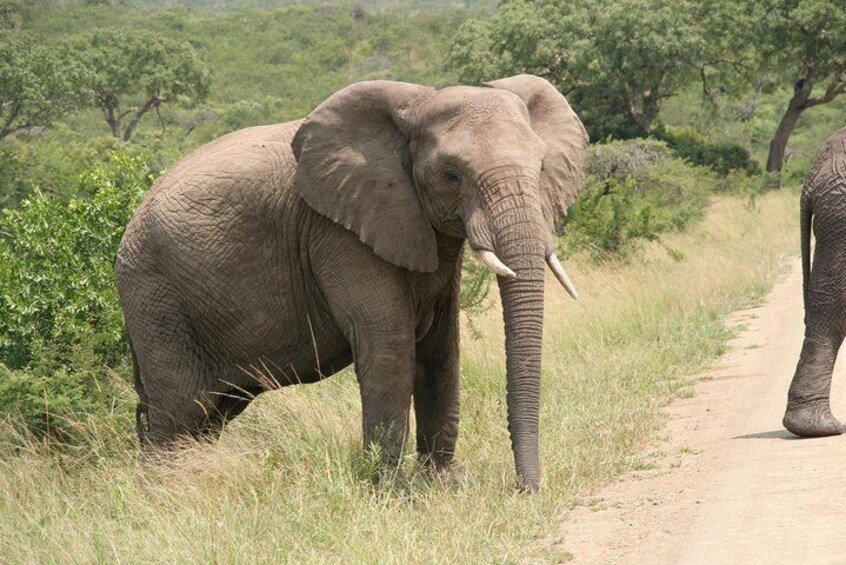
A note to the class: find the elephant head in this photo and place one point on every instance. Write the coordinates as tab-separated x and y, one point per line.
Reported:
498	165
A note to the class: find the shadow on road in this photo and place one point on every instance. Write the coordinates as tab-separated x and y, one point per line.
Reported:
775	434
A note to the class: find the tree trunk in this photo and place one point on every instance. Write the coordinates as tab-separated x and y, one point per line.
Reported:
108	103
801	92
149	104
778	145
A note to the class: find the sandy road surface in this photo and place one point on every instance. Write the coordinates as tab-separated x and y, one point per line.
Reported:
729	484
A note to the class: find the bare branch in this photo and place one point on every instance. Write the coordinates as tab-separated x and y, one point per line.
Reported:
835	88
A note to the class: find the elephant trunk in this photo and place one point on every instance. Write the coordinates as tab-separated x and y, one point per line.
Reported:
519	235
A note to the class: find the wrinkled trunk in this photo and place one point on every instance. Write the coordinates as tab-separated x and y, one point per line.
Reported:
519	234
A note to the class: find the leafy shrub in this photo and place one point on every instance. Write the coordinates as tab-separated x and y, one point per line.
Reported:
722	157
60	320
49	402
620	160
634	192
57	266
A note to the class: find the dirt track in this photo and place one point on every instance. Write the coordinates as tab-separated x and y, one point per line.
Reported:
730	485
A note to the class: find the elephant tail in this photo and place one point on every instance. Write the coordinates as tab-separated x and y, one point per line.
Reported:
142	417
806	212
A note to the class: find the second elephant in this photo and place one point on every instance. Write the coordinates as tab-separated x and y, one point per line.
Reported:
823	209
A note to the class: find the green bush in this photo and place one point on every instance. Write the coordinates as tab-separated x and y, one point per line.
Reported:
60	319
634	192
57	264
49	402
722	157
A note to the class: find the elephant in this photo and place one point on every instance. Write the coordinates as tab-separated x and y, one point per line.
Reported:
306	246
823	206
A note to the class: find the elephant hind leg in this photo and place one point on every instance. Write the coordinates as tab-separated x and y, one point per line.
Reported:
808	411
227	406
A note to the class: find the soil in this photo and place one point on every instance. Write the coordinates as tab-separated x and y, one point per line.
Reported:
728	484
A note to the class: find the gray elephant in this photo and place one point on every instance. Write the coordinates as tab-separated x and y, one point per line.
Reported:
305	246
823	204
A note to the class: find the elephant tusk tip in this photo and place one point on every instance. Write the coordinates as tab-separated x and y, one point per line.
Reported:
560	274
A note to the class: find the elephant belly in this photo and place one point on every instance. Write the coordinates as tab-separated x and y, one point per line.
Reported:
266	334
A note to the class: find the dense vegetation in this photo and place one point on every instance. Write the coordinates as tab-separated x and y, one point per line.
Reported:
683	100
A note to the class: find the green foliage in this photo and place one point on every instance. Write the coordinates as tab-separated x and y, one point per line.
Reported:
48	403
476	279
141	65
269	66
695	148
634	192
38	83
800	45
60	320
57	268
48	164
617	60
798	39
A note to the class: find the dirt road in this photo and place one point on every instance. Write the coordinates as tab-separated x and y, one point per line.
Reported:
729	484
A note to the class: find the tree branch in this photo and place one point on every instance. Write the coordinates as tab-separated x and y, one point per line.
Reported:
7	127
834	89
153	102
706	90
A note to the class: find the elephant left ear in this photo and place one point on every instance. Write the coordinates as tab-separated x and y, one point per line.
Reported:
566	140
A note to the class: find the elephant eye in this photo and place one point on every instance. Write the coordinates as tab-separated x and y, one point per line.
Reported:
451	178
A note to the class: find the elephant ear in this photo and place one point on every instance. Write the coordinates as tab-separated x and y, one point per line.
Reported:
354	167
566	140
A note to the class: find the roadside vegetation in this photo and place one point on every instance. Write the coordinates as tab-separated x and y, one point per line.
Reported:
683	219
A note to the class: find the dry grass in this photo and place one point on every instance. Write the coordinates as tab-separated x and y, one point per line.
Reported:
287	482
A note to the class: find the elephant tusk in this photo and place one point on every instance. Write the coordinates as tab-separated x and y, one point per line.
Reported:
494	264
561	275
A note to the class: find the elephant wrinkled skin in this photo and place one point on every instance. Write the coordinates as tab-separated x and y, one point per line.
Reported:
823	206
305	246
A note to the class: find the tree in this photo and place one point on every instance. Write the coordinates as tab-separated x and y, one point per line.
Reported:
617	60
141	66
803	42
37	83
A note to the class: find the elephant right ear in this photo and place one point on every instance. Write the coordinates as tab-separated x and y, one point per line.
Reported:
354	167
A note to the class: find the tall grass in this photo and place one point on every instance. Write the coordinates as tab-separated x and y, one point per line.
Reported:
288	480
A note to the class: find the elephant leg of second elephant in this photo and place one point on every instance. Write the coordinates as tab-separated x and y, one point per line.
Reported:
809	406
436	394
808	411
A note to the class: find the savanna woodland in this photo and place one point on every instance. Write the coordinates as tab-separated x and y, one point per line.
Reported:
704	116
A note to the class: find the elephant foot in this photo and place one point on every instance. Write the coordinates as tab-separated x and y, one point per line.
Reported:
451	473
812	420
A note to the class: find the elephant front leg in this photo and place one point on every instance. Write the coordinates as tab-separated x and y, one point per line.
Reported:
385	370
436	393
808	411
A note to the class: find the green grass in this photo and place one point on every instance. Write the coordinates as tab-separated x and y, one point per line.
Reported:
288	480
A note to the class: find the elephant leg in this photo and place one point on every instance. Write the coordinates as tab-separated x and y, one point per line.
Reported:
436	391
384	364
808	411
227	406
176	399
